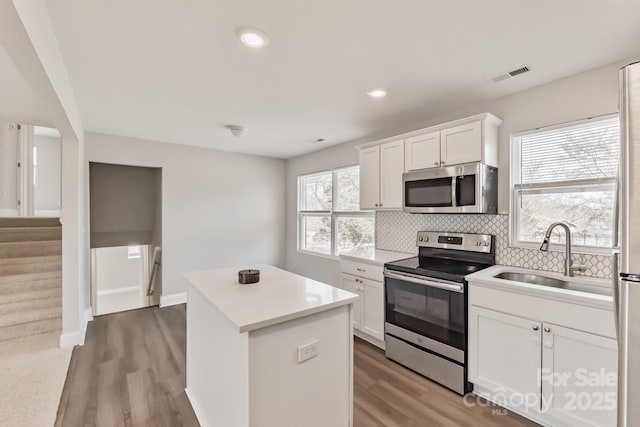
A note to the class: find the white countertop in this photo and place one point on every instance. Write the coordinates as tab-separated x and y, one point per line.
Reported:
279	296
486	278
375	256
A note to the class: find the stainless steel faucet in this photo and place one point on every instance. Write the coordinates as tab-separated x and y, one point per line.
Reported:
569	267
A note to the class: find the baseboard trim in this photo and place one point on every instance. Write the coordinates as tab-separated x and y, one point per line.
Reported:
196	408
73	338
173	299
86	318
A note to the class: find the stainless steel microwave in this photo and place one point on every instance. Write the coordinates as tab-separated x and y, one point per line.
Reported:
466	188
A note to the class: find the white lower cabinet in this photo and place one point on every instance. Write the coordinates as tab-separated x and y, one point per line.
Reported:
506	355
368	311
352	284
554	374
373	308
579	376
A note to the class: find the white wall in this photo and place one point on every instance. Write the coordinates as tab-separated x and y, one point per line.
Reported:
218	208
576	97
46	197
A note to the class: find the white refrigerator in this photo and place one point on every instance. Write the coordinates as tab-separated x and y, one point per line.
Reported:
626	259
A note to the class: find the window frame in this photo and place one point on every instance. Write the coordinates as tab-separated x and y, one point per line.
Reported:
332	213
516	189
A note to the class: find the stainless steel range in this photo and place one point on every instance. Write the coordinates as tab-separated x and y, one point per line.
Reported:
426	305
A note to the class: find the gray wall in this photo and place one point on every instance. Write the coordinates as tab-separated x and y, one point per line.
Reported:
123	204
576	97
218	208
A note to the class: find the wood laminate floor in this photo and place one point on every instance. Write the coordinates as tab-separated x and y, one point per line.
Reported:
131	372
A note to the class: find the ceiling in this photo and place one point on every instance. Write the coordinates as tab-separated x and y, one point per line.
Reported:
174	71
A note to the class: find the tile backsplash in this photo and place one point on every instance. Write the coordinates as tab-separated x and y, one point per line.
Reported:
396	231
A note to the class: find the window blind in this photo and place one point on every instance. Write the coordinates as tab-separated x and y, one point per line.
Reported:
585	151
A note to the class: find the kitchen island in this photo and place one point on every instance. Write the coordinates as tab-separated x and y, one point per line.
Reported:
274	353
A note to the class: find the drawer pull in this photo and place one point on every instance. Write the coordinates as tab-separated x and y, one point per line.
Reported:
535	327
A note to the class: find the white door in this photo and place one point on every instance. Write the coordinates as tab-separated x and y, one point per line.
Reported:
373	309
579	376
391	170
120	275
422	151
505	356
370	177
461	144
350	284
9	184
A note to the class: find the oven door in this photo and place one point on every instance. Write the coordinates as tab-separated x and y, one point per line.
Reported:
416	306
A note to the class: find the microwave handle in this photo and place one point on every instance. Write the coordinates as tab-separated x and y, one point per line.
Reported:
454	190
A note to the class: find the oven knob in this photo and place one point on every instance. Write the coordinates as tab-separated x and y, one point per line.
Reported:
478	243
426	238
485	243
421	238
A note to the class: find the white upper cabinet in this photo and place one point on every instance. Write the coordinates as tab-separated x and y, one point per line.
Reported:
461	144
370	177
391	170
382	163
474	139
422	151
381	168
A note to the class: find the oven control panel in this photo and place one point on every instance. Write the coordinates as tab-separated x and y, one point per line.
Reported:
461	241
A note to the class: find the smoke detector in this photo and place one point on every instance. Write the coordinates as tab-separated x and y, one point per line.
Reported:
512	73
237	131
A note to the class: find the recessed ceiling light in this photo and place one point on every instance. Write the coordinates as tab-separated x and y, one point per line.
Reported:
252	37
377	93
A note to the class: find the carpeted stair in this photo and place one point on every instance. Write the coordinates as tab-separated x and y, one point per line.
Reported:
30	277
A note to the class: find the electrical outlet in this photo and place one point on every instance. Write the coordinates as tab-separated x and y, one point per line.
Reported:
307	351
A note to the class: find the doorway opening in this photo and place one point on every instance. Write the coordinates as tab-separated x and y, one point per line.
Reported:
30	171
125	236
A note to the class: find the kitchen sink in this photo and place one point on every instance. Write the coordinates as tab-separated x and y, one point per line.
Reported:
551	282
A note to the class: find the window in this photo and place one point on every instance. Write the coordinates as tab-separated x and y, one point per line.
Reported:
329	217
566	173
133	252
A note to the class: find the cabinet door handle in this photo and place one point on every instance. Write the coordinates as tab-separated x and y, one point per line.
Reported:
547	329
535	327
360	269
380	204
442	163
377	205
436	163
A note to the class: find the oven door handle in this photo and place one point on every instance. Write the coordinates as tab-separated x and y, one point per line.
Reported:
446	286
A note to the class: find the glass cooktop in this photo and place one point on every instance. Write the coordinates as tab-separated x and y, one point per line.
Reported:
441	268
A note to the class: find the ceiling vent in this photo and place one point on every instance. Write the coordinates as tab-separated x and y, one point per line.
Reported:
513	73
